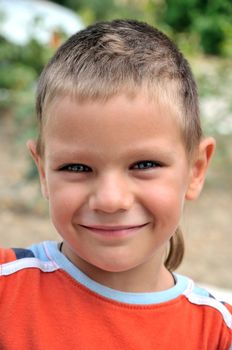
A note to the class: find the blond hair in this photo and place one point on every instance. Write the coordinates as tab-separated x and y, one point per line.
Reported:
109	58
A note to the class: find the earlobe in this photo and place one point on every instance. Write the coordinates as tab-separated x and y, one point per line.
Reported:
31	145
199	168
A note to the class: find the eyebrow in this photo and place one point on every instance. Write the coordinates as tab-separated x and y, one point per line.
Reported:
142	152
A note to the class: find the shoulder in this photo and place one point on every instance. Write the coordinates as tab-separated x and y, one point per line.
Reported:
207	316
207	304
11	254
14	260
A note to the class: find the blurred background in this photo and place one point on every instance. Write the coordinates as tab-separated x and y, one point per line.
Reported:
30	32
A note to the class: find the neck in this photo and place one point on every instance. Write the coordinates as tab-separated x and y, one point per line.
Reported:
137	281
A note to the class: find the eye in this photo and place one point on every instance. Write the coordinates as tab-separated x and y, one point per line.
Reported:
145	164
76	168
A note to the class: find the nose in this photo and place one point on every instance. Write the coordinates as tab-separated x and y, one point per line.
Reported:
110	194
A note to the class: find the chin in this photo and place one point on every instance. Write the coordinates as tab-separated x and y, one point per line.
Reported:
117	268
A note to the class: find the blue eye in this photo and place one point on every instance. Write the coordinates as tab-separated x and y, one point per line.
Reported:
145	164
76	168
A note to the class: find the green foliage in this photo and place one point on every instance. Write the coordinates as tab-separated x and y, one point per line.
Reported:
32	56
177	14
20	66
210	20
19	70
17	76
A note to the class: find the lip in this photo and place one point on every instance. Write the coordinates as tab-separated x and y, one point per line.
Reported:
114	230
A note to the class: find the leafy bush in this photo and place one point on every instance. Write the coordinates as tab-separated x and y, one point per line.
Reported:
211	21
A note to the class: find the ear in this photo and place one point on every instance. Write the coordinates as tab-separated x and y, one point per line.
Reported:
199	167
31	145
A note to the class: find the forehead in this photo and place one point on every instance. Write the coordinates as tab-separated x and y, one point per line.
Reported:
120	122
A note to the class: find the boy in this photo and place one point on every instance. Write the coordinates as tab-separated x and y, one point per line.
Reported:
120	149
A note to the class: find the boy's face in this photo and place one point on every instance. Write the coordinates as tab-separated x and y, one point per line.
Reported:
116	175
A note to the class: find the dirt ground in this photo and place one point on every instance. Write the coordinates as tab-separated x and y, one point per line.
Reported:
24	220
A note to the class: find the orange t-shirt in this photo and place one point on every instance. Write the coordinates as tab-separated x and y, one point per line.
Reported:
47	303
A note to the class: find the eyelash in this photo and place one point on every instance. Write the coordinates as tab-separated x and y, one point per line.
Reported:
82	168
145	164
76	168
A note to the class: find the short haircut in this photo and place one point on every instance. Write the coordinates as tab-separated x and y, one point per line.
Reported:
108	58
123	56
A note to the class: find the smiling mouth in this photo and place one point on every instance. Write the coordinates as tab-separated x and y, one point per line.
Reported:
120	230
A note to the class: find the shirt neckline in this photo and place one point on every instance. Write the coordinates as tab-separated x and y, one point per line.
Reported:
147	298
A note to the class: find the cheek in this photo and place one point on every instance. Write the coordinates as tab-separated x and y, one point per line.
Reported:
165	201
65	199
